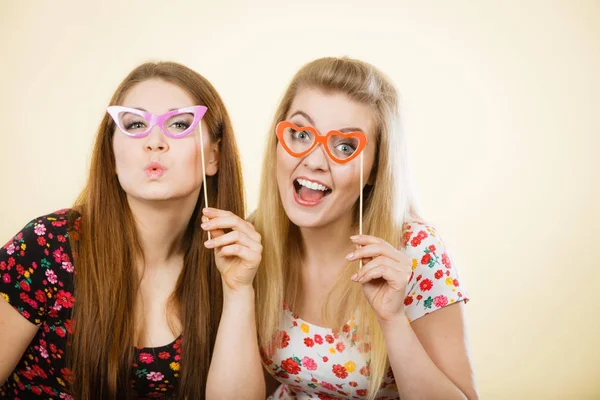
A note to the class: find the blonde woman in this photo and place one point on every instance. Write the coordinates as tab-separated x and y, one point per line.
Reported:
327	329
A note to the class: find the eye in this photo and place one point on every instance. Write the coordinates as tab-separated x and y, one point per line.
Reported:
301	135
135	125
346	148
180	125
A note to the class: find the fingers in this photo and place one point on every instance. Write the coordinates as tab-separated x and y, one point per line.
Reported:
231	238
221	219
382	268
375	250
252	257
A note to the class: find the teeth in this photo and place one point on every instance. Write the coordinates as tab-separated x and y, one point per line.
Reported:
312	185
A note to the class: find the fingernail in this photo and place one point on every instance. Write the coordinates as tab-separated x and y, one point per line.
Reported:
208	243
355	237
354	277
350	256
205	225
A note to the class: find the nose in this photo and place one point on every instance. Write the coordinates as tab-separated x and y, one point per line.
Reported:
317	159
156	141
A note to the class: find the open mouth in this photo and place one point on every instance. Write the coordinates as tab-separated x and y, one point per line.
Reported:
309	192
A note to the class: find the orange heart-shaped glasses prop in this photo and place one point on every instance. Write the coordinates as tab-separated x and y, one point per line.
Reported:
358	138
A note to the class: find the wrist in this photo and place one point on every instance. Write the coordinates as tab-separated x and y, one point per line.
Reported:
394	323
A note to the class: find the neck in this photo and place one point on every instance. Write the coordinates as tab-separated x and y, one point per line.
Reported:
161	226
326	247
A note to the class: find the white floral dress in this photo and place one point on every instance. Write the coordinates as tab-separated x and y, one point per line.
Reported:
314	362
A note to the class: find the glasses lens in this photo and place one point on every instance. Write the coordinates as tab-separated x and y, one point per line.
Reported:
298	141
132	123
342	147
180	124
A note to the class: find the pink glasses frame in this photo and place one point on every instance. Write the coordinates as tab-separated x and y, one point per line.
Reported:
159	120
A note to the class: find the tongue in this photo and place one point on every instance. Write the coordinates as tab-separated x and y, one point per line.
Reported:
310	195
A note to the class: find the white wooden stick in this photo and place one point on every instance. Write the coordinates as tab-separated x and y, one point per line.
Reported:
203	172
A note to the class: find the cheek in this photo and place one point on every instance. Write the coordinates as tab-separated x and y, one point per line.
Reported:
123	157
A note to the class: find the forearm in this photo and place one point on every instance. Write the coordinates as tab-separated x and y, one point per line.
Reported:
236	340
416	375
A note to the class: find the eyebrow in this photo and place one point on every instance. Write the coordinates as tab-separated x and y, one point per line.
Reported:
310	120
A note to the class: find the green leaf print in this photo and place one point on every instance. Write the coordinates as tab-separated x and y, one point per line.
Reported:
141	372
429	302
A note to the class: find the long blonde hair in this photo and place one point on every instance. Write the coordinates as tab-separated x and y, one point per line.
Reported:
388	202
107	246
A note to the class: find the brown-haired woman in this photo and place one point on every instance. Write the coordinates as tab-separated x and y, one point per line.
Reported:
122	296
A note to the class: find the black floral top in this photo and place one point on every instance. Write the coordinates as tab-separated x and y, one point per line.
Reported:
36	278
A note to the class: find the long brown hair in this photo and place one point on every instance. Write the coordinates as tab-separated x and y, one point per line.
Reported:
107	246
388	204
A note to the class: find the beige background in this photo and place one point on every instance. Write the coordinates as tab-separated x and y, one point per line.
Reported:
501	104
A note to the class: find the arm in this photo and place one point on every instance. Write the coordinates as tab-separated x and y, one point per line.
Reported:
430	358
15	335
237	255
236	340
21	278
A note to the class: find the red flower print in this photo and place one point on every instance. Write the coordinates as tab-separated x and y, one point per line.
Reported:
426	285
365	371
361	392
408	300
325	359
439	274
69	325
406	238
146	358
419	278
6	278
329	339
318	339
291	366
327	385
426	258
41	240
25	286
432	248
36	390
67	374
353	384
446	261
65	299
340	347
40	296
419	297
285	339
60	331
309	364
364	347
339	371
455	282
308	342
346	328
440	301
163	355
418	239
